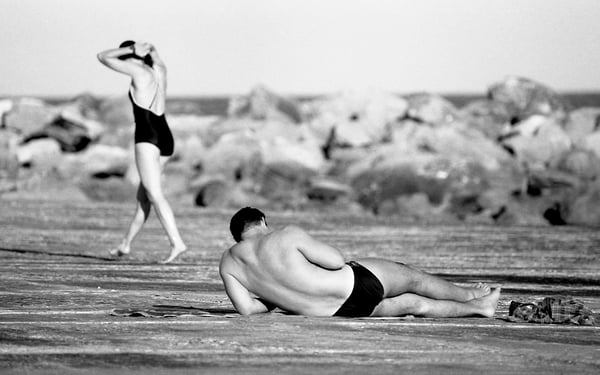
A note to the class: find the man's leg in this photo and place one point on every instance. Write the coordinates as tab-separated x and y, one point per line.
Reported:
412	304
398	279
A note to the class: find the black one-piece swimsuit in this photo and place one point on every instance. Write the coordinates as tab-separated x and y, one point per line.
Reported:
151	128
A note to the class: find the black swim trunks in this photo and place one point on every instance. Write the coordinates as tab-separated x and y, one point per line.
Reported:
151	128
366	294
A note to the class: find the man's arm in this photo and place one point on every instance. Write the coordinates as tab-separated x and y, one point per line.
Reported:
241	298
317	252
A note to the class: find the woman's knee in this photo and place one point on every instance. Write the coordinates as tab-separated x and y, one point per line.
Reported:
154	195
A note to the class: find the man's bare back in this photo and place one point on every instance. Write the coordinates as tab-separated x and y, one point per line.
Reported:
277	266
291	270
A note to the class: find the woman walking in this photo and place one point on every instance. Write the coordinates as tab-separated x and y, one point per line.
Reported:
153	139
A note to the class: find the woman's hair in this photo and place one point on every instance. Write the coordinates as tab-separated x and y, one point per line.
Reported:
146	59
243	219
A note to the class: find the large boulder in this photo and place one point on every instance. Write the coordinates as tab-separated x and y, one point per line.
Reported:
9	162
592	143
584	164
487	116
390	172
116	112
455	140
581	123
109	189
234	156
536	141
29	115
524	97
583	208
39	152
431	109
85	104
72	135
5	107
98	161
354	118
183	126
263	104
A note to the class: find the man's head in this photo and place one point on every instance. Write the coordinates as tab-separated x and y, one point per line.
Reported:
244	219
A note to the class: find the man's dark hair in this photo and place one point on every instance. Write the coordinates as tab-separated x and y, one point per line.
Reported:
128	43
243	219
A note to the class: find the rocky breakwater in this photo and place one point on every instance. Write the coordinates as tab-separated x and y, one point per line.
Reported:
521	156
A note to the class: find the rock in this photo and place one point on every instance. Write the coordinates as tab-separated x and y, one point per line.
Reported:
219	128
93	129
116	112
71	136
581	123
9	162
541	179
5	107
583	208
431	109
263	104
327	191
487	116
85	105
109	189
190	150
503	207
416	208
524	97
354	119
183	126
536	141
455	140
592	143
217	192
39	152
235	156
28	116
99	161
583	164
297	155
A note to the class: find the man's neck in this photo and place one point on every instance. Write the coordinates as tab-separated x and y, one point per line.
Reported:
256	231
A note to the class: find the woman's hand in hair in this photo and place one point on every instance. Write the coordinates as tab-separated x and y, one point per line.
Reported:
142	48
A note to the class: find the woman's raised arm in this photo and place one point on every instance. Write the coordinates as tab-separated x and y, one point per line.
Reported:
111	58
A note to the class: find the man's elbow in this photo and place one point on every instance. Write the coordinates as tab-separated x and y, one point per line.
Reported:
246	310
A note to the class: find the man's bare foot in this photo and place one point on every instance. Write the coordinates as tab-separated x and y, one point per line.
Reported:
488	303
479	290
119	251
175	252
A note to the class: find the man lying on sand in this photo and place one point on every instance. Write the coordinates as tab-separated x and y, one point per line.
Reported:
289	269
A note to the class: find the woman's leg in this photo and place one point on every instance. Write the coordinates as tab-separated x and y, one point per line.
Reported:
142	211
148	162
412	304
398	279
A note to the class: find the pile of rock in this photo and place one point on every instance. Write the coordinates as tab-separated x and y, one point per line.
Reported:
522	156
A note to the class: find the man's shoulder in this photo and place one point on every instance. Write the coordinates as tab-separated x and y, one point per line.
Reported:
292	230
227	257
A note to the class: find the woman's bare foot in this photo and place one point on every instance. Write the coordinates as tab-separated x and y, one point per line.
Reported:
122	249
175	252
479	290
488	303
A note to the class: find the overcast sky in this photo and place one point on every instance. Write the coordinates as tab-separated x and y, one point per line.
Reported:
48	47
